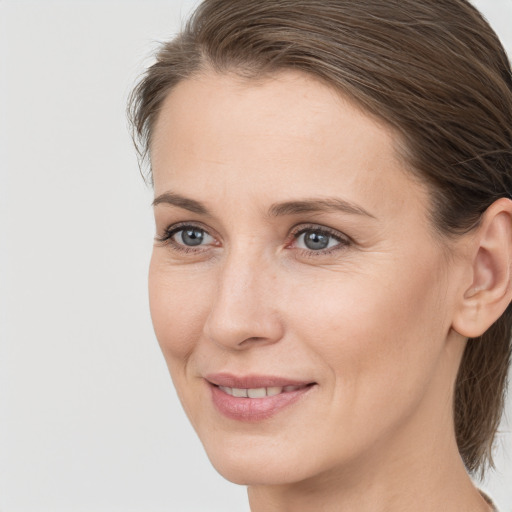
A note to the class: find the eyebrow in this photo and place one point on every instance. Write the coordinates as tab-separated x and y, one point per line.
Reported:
315	205
308	205
182	202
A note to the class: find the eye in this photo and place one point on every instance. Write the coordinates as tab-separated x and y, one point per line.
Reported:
314	239
191	236
186	237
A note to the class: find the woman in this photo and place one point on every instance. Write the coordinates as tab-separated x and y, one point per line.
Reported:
330	281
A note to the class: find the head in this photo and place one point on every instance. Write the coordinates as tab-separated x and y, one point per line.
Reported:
425	87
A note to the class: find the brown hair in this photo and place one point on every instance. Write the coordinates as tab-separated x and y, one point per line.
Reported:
434	71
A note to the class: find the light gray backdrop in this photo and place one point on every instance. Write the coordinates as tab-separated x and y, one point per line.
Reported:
88	418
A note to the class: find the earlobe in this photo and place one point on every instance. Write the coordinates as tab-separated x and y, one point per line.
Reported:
490	292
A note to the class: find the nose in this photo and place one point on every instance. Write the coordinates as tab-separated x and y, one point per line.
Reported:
243	311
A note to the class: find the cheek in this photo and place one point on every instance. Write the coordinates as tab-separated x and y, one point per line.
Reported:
380	331
179	305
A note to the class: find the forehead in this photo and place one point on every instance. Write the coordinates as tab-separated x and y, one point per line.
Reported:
289	133
288	104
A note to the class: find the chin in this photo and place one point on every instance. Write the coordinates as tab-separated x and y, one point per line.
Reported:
253	462
247	471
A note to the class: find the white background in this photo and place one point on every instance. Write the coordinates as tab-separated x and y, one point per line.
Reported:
88	417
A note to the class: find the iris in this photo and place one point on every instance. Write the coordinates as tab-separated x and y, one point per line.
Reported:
315	241
192	236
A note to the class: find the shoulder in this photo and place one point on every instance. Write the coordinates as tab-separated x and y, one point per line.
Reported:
488	500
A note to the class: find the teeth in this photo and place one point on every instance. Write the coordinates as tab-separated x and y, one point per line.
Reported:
239	392
291	388
274	391
258	392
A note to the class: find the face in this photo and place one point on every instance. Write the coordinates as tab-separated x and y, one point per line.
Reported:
299	293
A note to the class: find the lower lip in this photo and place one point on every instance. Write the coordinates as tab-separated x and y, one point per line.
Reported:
254	409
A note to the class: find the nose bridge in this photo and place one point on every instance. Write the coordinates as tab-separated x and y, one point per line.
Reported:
242	309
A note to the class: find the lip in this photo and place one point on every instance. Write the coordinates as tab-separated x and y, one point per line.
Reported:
253	381
254	409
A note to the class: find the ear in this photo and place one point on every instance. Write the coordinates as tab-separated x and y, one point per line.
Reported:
490	292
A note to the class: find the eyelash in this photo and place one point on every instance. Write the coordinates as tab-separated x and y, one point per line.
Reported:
343	240
166	238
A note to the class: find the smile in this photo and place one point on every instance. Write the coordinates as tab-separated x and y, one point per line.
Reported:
255	398
259	392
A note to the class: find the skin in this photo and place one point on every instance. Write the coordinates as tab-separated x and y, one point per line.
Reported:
370	322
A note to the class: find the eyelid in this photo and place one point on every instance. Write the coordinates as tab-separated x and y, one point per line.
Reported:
343	239
170	231
301	228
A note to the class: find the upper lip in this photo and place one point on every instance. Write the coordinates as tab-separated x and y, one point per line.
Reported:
253	381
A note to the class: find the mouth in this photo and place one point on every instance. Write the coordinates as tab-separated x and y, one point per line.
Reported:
255	398
261	392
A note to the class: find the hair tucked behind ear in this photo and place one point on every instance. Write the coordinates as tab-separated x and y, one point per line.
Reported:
433	70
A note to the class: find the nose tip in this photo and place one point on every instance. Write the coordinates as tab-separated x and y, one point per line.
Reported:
237	332
243	312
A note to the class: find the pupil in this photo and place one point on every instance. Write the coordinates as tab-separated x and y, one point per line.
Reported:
316	241
192	236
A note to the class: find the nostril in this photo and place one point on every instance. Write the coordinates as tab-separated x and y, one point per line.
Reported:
238	323
254	339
